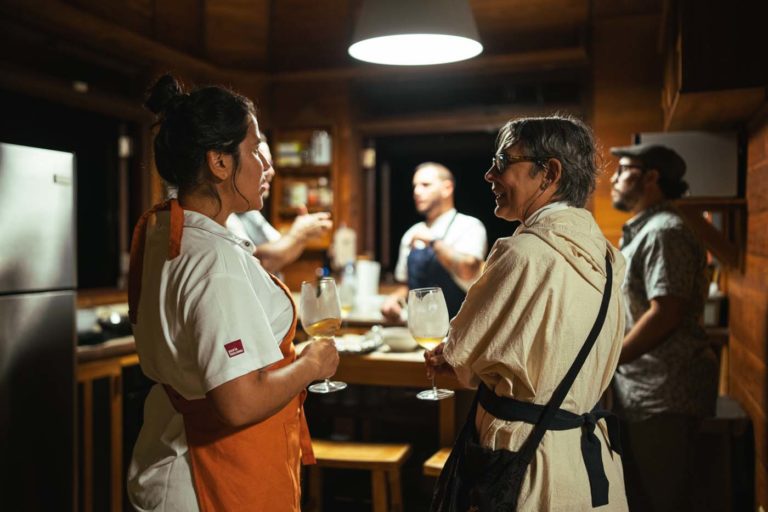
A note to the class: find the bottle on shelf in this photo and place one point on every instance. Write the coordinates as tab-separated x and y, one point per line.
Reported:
344	246
324	193
320	148
348	289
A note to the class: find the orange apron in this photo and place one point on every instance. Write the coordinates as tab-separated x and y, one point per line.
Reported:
248	468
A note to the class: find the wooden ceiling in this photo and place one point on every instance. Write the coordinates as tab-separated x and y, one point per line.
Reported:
115	45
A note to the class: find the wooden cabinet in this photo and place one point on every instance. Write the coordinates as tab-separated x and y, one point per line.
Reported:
305	177
714	74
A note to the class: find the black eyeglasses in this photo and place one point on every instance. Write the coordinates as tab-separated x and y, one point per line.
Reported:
502	160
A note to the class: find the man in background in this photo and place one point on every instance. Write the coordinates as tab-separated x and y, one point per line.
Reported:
446	250
274	250
666	381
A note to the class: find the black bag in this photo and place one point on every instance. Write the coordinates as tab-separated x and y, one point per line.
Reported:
478	479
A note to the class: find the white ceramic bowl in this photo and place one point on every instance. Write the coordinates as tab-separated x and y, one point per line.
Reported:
398	339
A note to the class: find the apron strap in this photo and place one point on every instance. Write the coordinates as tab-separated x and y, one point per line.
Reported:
305	440
136	267
509	409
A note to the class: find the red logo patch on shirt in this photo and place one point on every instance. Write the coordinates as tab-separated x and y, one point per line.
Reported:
234	348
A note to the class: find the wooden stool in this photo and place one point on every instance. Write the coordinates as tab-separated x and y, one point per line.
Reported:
382	460
434	465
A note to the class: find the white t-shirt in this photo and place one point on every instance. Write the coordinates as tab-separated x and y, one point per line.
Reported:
252	225
208	316
466	236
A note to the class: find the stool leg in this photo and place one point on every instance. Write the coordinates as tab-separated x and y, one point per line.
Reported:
379	491
315	489
395	492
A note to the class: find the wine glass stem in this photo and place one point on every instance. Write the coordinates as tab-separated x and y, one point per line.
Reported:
434	388
328	384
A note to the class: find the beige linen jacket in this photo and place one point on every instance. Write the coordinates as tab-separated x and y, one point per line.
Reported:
519	330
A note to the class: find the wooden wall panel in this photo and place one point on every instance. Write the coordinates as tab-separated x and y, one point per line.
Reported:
757	189
749	306
179	24
626	99
540	24
750	372
757	242
134	15
236	33
749	314
311	35
757	150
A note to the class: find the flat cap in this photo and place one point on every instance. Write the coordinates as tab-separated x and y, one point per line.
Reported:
670	165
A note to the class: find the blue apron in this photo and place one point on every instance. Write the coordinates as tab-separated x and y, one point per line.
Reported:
424	270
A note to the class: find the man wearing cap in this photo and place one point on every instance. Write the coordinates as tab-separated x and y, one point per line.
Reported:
666	381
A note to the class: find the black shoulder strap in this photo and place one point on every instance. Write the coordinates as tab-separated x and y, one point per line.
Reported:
532	443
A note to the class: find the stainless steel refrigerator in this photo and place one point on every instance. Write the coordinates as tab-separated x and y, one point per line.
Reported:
37	329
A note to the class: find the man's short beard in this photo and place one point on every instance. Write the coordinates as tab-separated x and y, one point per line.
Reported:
621	205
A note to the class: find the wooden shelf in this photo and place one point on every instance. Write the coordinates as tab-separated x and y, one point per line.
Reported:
712	110
287	212
711	79
288	192
728	245
304	170
91	297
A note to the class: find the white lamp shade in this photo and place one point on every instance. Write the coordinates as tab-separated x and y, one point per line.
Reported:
415	32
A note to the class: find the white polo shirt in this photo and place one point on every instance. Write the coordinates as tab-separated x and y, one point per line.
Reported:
252	225
208	316
466	235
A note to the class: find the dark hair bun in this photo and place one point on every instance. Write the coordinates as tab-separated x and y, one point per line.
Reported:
166	91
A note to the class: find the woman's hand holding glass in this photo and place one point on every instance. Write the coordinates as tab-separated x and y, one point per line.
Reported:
323	356
321	317
436	363
428	322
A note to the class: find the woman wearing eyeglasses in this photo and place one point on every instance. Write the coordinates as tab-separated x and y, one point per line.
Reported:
539	335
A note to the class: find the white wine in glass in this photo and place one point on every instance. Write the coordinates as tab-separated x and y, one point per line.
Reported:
428	322
321	317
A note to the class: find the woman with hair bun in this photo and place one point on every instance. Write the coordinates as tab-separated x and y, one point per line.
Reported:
224	427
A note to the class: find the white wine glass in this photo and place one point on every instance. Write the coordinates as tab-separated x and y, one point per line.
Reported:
321	318
428	322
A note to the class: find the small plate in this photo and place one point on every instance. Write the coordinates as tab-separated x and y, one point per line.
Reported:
399	339
357	344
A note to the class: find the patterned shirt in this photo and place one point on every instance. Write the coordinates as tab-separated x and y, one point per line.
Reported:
679	376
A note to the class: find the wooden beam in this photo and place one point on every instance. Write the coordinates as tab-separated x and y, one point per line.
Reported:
475	120
74	24
58	90
541	60
71	23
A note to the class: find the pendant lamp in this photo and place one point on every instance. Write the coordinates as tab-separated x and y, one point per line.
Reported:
415	32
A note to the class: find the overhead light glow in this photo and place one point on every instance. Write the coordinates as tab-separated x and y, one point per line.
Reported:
415	33
415	49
